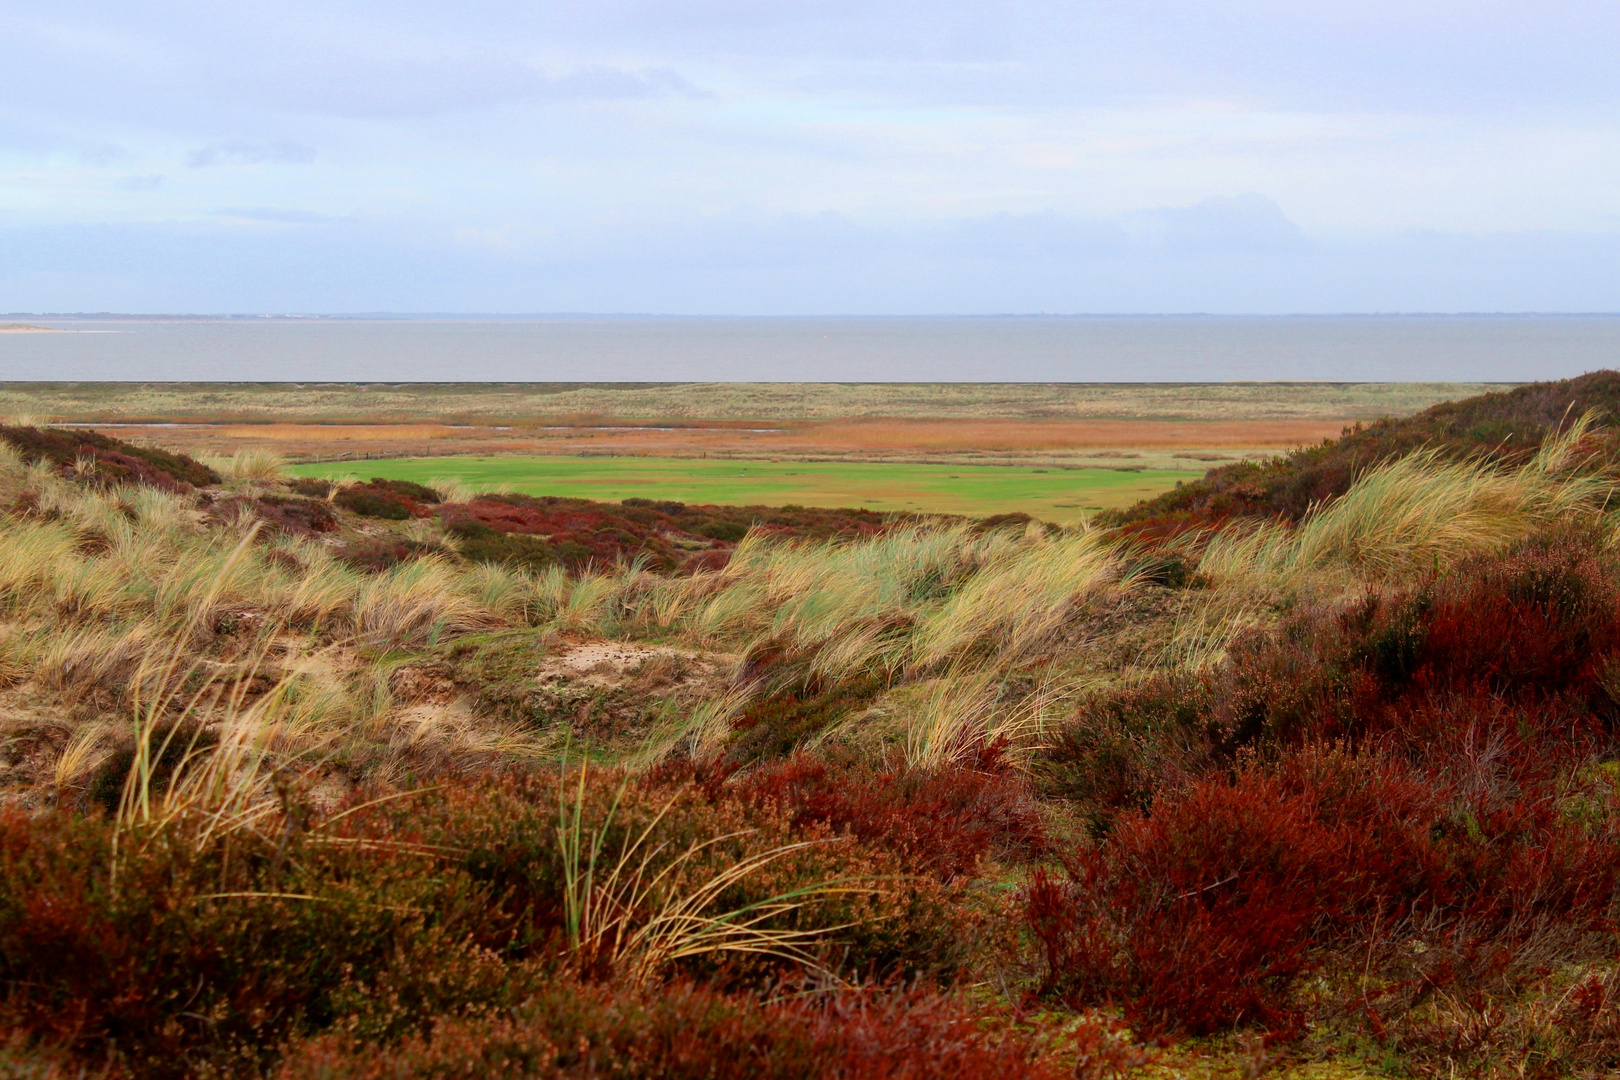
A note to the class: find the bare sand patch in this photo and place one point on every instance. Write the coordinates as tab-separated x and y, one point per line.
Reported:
616	665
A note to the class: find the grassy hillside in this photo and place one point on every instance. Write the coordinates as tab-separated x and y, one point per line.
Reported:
1505	426
382	779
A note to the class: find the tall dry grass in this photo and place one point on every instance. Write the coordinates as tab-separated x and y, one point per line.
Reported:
131	555
1018	596
98	587
249	465
92	580
1422	511
970	708
635	910
914	598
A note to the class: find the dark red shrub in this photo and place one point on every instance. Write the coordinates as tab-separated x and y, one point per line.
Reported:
686	1032
115	461
1195	916
174	956
669	537
150	969
377	555
280	513
1199	913
939	821
1544	618
383	499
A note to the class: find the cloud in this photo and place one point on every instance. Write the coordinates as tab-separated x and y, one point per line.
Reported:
391	88
760	265
915	151
1239	224
1034	237
272	216
97	157
235	152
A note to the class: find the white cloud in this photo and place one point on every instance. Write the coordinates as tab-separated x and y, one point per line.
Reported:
239	152
914	136
1242	223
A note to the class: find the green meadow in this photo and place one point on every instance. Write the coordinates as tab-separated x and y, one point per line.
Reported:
974	490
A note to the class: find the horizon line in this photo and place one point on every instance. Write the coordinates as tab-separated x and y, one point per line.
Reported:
675	315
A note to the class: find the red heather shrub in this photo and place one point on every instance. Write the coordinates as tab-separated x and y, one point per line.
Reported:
1542	619
706	561
280	513
377	555
116	461
1197	915
295	515
686	1032
577	533
1200	913
151	972
670	537
939	821
1537	628
384	499
1463	804
197	957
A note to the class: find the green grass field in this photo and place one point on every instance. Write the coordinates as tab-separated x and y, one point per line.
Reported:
978	491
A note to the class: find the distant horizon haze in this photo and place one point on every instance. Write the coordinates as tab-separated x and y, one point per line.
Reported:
1006	348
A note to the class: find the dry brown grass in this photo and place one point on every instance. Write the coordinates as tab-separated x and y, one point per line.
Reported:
1018	435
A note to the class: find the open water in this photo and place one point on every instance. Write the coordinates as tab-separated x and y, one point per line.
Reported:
1503	348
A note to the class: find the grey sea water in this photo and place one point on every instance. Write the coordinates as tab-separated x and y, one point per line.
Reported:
649	349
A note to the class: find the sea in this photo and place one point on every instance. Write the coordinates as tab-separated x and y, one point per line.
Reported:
595	349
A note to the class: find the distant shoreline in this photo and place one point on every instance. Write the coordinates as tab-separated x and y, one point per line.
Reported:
29	328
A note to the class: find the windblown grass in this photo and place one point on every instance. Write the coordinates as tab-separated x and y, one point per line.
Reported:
613	922
966	711
1421	511
913	598
249	465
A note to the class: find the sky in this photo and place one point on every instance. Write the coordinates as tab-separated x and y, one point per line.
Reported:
798	157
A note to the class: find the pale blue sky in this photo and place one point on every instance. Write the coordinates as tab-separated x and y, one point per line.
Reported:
796	157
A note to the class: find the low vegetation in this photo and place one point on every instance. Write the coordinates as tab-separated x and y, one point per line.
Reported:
1503	427
516	403
1055	492
373	778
